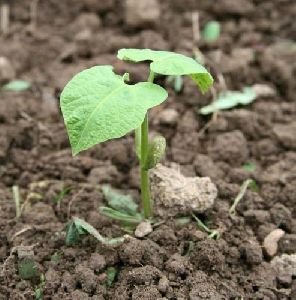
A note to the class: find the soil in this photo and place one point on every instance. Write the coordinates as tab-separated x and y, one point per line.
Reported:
174	261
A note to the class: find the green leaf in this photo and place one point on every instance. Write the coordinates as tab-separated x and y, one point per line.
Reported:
17	86
120	216
120	202
250	167
27	269
156	151
98	105
170	63
211	31
72	235
111	273
81	226
230	99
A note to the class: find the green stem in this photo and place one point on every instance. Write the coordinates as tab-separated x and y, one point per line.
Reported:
145	187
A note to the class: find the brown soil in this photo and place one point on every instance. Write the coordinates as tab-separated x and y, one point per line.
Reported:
35	154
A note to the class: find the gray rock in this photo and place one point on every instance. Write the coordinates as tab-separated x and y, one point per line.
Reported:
174	194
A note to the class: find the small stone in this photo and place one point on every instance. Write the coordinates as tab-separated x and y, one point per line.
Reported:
163	284
168	116
141	12
7	71
270	242
143	229
175	194
84	21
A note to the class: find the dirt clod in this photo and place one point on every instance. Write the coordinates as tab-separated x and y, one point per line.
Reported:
143	229
174	194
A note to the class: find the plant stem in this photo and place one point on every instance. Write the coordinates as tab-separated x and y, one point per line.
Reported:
145	187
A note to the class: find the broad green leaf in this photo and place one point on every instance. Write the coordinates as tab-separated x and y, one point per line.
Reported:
98	105
120	202
170	63
17	86
211	31
230	99
156	152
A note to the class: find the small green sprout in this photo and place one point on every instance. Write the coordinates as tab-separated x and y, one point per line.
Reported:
98	105
27	269
39	289
78	227
211	31
248	183
111	273
250	167
60	196
16	86
176	82
230	99
212	233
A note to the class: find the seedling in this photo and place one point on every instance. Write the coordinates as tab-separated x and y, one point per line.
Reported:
78	227
98	105
211	31
40	288
176	82
111	273
212	233
248	183
17	86
230	99
250	167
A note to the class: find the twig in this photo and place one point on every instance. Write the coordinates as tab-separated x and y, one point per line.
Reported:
71	203
34	13
17	200
240	195
195	27
4	17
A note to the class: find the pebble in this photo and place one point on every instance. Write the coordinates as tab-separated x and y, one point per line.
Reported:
168	116
143	229
270	243
140	12
7	71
